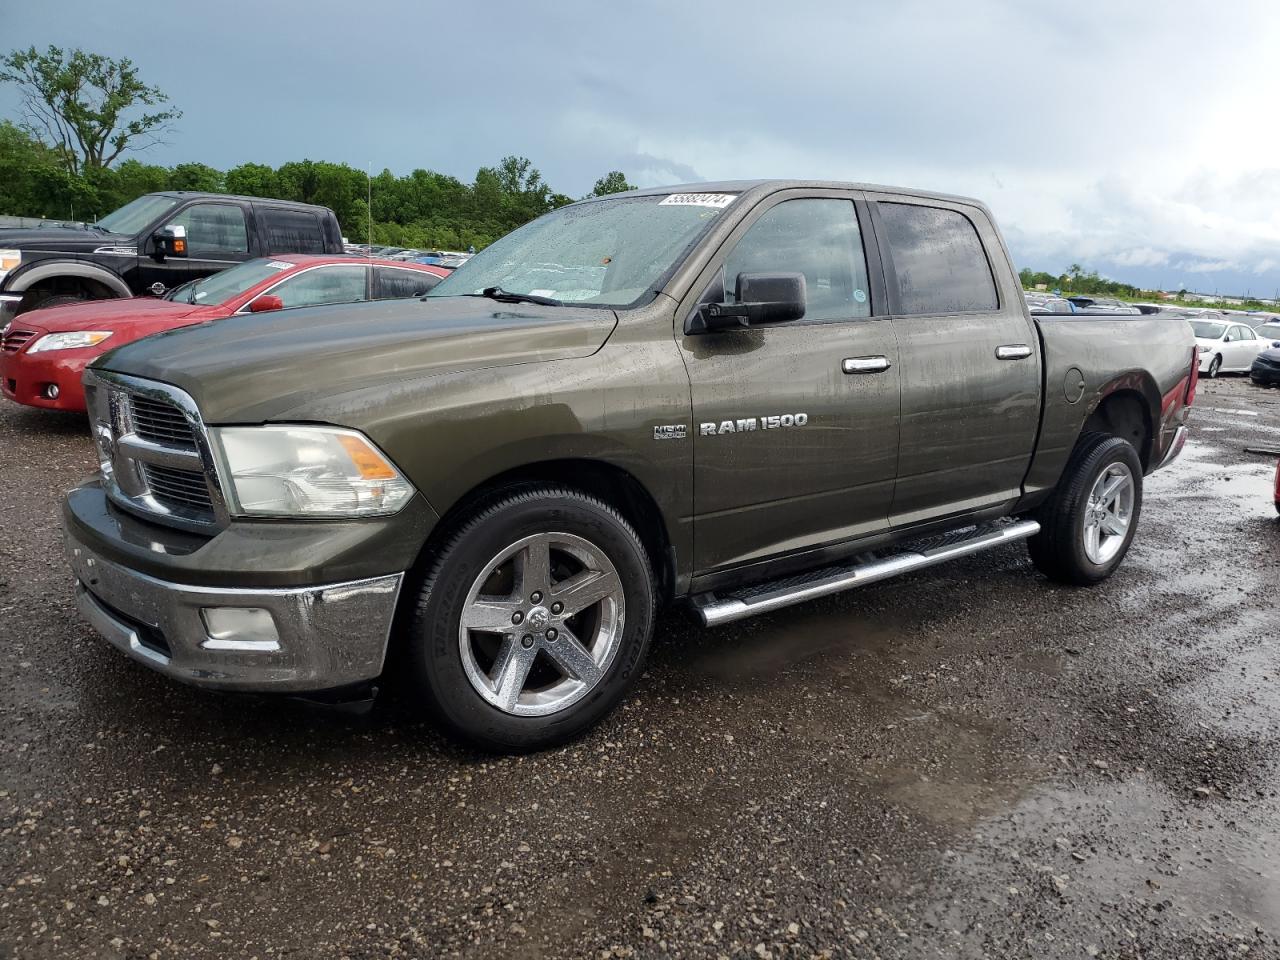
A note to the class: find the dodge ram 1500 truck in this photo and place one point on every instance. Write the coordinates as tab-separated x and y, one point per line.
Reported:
736	396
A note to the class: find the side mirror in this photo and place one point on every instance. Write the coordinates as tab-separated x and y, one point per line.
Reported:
171	241
266	303
761	298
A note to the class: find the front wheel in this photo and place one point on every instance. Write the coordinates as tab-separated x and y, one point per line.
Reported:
1215	366
533	620
1087	525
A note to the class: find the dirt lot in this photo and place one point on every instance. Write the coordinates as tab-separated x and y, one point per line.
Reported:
968	762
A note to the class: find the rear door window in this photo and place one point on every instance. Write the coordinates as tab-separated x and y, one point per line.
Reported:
291	231
394	283
939	261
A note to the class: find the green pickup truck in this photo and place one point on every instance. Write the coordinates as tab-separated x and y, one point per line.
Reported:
730	396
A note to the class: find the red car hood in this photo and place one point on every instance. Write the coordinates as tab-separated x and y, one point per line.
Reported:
113	314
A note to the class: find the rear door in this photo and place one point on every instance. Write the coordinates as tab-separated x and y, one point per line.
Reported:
970	359
790	450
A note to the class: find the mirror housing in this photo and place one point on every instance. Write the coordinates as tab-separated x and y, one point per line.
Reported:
762	298
265	303
171	241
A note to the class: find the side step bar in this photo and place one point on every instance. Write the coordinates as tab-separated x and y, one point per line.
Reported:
714	609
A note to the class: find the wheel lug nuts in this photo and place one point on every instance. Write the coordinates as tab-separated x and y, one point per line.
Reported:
552	634
557	607
517	617
536	597
527	641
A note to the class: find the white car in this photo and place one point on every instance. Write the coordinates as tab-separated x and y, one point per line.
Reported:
1269	332
1226	347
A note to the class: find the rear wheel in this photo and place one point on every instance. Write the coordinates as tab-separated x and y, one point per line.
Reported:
1086	527
533	620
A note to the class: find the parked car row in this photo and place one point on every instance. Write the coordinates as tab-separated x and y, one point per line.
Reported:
437	258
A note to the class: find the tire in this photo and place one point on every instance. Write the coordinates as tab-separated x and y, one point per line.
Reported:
1215	365
58	300
457	673
1063	549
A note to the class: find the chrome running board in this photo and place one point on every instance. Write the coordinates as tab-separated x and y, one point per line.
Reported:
725	606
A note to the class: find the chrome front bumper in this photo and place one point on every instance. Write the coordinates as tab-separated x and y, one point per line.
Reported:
325	636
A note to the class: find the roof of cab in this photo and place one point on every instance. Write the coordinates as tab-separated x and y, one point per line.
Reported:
763	187
263	201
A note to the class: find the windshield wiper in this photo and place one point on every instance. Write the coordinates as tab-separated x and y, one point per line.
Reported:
505	296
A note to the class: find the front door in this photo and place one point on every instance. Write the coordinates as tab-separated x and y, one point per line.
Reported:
1243	347
217	238
795	425
970	360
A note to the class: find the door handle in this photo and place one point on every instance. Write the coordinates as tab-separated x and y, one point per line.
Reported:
865	364
1013	351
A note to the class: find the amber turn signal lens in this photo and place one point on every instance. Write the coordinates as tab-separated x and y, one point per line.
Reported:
370	465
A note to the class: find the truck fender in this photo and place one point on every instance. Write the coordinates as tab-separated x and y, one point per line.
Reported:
48	270
1142	387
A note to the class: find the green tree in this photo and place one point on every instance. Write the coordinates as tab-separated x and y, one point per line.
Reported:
252	180
196	176
615	181
82	103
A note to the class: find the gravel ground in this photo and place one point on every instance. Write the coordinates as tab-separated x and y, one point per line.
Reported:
967	762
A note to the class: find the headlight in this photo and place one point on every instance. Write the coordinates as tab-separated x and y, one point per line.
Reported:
1200	348
306	472
69	341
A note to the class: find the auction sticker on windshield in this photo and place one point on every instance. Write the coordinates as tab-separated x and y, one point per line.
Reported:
718	200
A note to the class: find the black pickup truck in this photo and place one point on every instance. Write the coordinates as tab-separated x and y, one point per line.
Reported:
151	244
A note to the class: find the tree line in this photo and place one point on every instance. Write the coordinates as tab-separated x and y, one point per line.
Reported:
82	111
422	209
1077	280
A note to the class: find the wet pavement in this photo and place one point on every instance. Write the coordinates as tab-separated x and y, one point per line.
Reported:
967	762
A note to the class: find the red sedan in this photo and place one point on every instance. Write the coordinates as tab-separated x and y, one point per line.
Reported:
44	352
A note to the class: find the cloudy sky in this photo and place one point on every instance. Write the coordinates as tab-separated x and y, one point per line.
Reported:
1140	139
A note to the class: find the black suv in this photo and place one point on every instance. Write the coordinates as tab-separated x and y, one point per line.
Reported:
152	244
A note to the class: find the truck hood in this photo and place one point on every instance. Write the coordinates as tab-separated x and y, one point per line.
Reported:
251	368
110	314
59	239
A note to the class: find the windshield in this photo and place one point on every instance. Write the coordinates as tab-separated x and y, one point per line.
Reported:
228	284
1269	331
1206	330
136	214
608	252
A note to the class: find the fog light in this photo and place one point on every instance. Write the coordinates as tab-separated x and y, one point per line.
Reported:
51	391
239	628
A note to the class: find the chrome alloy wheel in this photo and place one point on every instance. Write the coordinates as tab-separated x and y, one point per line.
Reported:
541	624
1108	513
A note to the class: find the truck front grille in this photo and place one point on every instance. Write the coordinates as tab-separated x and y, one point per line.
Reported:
154	452
160	422
14	340
181	489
